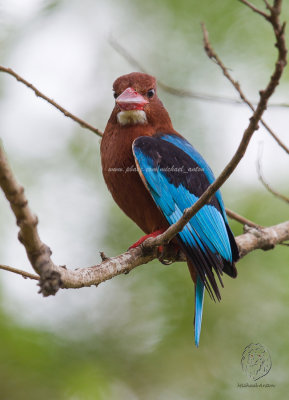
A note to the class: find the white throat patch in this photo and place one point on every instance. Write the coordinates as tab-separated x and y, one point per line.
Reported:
132	117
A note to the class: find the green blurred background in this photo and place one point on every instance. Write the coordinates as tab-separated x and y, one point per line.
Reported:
132	337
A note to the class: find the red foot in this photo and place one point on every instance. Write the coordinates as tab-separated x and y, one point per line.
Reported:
142	239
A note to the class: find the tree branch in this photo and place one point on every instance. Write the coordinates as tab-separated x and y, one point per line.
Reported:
265	184
262	238
265	239
255	9
24	274
244	221
37	92
253	239
38	253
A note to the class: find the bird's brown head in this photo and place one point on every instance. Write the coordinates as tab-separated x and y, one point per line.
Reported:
137	103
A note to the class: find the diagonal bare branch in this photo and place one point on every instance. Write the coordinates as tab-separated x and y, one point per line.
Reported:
213	55
265	184
37	92
255	9
244	221
24	274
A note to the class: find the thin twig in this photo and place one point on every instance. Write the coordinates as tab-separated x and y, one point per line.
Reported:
277	139
268	6
37	92
265	184
20	272
212	54
255	9
244	221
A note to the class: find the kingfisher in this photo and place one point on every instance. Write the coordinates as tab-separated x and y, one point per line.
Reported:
153	174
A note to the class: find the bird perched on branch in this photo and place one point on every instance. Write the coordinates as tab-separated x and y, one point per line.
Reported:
154	174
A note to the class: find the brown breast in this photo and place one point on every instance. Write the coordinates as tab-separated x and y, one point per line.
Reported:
122	179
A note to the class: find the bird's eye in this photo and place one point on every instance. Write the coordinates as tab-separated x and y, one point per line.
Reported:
150	93
115	95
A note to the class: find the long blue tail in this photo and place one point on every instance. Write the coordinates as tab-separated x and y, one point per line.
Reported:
199	302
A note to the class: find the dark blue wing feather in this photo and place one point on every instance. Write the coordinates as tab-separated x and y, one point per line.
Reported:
184	145
176	176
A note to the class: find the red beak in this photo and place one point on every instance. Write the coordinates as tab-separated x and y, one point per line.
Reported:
131	100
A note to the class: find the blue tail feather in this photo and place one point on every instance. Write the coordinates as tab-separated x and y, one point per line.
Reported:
199	302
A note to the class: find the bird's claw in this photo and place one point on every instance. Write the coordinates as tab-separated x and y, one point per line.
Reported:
168	254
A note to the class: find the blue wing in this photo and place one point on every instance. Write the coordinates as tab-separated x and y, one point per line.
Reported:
176	176
184	145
